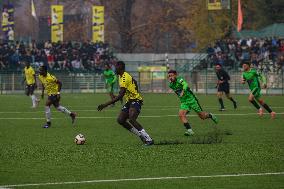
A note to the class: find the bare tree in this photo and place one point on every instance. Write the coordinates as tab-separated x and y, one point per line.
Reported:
122	14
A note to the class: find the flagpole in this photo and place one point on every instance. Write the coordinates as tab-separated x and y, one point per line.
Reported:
34	19
31	22
240	16
35	24
231	18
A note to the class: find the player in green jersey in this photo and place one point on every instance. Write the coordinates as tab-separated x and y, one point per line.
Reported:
253	78
110	79
188	101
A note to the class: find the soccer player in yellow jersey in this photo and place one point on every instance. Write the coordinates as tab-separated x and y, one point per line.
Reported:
30	80
52	87
130	111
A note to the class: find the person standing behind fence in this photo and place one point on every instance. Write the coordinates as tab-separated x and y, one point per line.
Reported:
223	86
30	80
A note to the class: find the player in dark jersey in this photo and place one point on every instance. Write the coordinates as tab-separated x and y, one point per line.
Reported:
223	86
188	101
253	78
131	110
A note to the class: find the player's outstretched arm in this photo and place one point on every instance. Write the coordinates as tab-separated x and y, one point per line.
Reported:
263	80
227	76
42	91
114	79
35	80
59	83
24	78
243	80
184	87
117	98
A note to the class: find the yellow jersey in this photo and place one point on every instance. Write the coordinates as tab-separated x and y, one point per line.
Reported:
128	82
50	84
30	75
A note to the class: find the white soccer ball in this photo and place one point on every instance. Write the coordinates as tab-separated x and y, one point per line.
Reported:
80	139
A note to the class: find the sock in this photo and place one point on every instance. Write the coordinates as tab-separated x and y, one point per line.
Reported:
145	135
112	96
135	124
221	103
135	131
267	108
187	126
47	113
234	102
231	99
127	126
255	104
33	97
63	110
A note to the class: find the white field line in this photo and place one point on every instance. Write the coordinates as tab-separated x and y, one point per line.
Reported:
80	110
113	117
155	108
108	110
142	179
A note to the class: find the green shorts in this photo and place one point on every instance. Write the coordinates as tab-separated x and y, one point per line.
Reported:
256	93
110	87
191	104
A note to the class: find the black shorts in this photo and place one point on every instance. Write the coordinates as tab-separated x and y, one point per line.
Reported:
132	104
30	89
54	99
224	87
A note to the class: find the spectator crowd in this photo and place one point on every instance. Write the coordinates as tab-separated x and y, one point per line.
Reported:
265	54
66	56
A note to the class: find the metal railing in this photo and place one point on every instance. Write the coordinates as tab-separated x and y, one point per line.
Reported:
149	82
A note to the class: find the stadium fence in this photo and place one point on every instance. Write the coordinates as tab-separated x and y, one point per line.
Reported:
201	81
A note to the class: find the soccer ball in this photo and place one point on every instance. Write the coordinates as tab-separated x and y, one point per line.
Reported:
79	139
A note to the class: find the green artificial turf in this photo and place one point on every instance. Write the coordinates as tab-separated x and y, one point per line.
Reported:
242	143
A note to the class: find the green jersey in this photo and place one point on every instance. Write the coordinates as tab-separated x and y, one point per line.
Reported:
181	85
109	76
253	79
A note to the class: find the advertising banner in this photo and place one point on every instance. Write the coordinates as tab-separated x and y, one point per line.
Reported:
56	23
98	24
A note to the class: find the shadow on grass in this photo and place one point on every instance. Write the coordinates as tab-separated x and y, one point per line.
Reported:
214	137
170	142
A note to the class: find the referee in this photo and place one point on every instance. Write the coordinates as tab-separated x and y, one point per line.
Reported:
223	86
